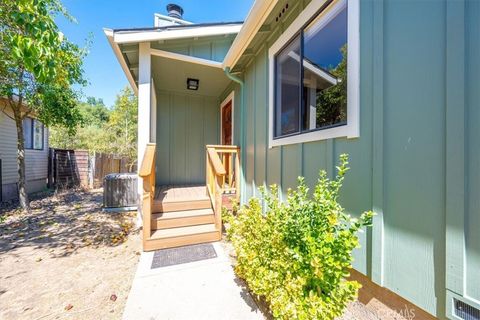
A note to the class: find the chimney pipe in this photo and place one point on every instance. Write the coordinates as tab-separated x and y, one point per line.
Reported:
174	11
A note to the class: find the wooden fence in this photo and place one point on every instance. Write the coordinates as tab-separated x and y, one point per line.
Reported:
76	168
104	164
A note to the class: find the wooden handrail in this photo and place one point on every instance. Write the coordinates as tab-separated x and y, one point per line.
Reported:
147	173
217	164
223	167
148	161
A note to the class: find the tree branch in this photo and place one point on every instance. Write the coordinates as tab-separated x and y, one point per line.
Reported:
5	113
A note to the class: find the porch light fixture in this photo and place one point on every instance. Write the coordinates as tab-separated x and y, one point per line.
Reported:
192	84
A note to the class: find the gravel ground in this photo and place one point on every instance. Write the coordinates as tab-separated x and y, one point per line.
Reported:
66	259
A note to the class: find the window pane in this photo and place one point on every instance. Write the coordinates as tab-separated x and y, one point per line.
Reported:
37	135
27	133
287	89
325	70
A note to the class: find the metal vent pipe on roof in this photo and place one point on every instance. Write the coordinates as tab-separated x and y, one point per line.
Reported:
174	11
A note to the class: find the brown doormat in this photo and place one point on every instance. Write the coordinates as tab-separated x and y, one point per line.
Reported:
180	255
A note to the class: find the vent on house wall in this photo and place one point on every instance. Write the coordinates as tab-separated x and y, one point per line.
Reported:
465	311
281	12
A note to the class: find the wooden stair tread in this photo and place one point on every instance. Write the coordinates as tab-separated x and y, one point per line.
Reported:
181	193
181	214
183	231
159	206
179	199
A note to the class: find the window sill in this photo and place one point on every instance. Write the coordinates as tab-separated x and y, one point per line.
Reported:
319	135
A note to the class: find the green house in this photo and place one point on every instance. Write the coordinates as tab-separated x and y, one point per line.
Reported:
225	108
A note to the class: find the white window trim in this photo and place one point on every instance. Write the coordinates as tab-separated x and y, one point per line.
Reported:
352	128
230	97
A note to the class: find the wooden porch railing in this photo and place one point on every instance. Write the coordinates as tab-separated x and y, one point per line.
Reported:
223	176
147	173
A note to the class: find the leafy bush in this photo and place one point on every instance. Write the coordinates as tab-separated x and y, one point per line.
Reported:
297	254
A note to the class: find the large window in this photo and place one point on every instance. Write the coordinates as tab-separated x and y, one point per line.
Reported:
310	76
33	134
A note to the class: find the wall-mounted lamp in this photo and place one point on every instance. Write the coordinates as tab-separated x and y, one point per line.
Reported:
192	84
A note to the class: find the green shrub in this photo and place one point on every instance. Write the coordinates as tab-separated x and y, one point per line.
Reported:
298	253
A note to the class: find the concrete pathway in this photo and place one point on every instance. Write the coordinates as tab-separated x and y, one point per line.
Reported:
206	289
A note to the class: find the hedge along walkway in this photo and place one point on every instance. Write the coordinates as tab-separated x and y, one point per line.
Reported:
67	259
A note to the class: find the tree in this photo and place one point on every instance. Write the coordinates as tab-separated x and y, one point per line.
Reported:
122	127
109	131
38	69
90	133
332	102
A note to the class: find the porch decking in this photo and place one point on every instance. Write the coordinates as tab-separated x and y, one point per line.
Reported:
180	197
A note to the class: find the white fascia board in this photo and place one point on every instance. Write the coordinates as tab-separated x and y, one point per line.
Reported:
121	60
182	57
154	35
259	12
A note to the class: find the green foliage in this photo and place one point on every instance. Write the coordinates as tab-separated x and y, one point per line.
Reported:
330	98
38	65
122	127
103	130
298	253
39	68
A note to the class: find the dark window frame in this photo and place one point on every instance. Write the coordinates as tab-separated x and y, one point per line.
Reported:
302	111
32	134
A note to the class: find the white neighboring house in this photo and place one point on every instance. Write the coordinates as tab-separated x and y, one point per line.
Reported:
36	154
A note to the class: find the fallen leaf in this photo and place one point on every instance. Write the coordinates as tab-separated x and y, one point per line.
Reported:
68	307
113	297
38	259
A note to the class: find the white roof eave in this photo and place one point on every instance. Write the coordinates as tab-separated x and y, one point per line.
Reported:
180	33
259	12
118	53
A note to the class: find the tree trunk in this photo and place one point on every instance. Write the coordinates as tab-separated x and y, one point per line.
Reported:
22	191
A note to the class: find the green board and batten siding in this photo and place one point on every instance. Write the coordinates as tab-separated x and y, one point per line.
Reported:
418	140
186	122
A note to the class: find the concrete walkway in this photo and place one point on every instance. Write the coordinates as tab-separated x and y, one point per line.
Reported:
206	289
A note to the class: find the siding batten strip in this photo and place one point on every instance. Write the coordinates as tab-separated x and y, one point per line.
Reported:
455	147
330	154
378	238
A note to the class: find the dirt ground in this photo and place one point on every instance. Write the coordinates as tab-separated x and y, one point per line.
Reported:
66	259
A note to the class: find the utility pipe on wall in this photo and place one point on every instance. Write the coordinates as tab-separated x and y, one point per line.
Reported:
242	122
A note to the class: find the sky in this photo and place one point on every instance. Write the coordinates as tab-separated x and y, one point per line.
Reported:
102	69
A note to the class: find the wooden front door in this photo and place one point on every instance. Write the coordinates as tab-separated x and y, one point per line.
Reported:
227	124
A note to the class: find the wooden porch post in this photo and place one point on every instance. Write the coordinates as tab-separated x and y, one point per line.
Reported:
144	104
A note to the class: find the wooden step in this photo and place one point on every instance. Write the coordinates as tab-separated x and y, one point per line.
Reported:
168	206
175	219
182	236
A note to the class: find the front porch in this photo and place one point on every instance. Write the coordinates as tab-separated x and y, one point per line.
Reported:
178	215
186	140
